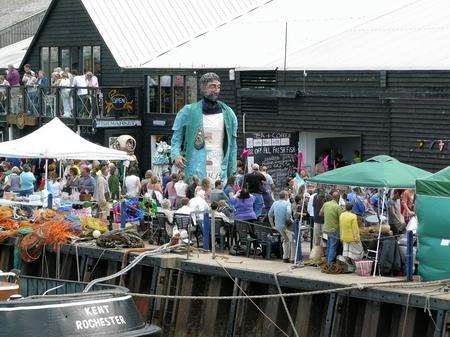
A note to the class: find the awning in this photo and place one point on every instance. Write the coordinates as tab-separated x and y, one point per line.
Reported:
379	171
56	140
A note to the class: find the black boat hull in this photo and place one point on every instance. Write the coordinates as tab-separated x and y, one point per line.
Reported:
88	314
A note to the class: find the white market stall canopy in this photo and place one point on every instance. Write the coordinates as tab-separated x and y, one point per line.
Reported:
55	140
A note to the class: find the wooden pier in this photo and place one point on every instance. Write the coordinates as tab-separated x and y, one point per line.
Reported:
375	311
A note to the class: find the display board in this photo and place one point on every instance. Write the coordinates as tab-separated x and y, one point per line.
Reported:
275	150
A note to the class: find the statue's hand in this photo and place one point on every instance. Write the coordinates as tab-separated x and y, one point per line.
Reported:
180	161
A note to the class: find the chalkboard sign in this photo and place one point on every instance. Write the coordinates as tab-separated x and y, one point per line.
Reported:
275	150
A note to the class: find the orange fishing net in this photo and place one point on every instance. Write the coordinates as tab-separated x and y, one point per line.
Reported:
31	246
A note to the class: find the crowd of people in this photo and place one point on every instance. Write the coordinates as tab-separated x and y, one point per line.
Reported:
337	215
60	82
334	214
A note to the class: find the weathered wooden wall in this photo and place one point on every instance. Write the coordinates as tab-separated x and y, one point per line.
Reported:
344	314
390	110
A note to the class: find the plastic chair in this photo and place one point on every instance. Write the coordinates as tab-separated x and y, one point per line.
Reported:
268	238
160	229
222	239
184	221
243	230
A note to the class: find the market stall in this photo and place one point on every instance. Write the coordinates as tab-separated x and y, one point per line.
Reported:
433	193
28	217
55	140
382	172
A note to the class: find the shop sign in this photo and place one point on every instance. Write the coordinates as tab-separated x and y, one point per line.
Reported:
118	102
117	123
21	120
159	123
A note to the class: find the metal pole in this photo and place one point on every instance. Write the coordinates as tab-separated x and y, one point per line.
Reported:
409	256
189	242
298	243
213	234
379	234
46	174
285	47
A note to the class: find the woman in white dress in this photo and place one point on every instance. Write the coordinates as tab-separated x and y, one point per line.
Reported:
65	92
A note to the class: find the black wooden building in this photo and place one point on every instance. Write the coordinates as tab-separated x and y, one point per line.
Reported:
67	31
385	112
375	112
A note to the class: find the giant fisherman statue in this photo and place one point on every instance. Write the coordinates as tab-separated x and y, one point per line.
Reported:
204	135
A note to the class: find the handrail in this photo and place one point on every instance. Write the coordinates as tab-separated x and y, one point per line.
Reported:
70	101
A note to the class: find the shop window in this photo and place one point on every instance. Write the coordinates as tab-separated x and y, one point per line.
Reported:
91	60
66	61
165	90
96	59
45	59
152	94
53	57
54	62
49	59
87	59
168	94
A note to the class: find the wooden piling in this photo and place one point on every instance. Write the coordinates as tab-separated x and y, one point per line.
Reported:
211	308
184	307
88	263
240	311
113	267
371	319
134	279
271	309
339	316
406	324
302	317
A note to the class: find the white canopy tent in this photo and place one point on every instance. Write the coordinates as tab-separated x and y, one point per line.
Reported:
55	140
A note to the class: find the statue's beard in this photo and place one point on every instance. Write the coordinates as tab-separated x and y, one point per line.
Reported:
211	96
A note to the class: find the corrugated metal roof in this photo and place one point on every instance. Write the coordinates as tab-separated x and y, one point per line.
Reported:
138	31
12	11
14	53
414	37
257	40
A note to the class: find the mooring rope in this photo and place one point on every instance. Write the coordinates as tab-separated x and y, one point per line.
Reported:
253	302
275	275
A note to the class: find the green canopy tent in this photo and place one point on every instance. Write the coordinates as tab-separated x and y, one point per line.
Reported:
433	194
379	172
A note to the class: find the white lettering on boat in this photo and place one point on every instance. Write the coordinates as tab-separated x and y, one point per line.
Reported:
95	323
96	310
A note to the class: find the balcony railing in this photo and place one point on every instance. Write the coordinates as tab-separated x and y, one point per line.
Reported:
70	102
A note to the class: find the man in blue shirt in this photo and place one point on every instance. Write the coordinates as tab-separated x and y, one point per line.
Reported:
280	217
356	198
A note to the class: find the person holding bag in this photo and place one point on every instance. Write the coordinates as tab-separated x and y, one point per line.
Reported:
280	218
